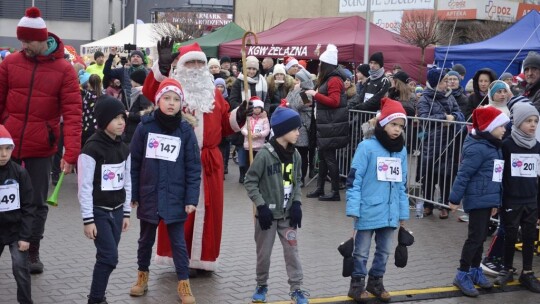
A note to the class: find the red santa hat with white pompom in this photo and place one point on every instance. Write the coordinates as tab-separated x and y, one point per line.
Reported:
32	27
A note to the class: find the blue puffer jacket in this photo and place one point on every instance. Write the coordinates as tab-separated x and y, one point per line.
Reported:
474	182
375	203
163	188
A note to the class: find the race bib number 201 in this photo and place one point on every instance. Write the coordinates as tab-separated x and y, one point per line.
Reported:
523	165
162	147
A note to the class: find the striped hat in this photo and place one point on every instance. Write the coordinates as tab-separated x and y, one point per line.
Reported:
514	100
32	27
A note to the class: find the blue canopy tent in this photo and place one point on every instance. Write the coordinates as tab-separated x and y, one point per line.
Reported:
496	52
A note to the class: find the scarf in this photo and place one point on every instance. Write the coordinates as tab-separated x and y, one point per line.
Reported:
376	74
285	154
522	139
135	93
167	122
135	68
489	137
392	145
261	87
52	45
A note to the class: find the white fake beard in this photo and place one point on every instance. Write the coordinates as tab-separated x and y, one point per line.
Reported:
198	87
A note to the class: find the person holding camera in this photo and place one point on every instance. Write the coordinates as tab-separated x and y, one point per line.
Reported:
137	61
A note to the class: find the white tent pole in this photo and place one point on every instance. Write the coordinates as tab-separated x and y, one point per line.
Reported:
366	42
135	23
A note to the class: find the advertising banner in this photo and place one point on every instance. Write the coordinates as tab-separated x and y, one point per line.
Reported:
355	6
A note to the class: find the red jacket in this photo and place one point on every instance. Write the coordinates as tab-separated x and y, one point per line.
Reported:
34	94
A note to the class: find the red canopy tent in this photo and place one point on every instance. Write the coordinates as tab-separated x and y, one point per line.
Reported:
300	37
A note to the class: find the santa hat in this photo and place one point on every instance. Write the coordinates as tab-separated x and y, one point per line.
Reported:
167	85
32	27
289	62
330	55
191	52
390	110
486	119
5	137
257	102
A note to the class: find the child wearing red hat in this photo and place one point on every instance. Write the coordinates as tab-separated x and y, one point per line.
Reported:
16	215
377	198
478	185
166	178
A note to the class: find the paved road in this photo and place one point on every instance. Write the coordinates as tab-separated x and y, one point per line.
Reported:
68	257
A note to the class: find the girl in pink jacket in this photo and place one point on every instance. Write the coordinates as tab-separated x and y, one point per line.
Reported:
259	125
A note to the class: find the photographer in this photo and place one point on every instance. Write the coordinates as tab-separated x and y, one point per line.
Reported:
136	61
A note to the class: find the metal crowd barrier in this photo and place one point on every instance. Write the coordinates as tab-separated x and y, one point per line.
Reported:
434	150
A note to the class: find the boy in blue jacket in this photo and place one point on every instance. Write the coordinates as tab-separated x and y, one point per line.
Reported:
166	174
377	198
479	184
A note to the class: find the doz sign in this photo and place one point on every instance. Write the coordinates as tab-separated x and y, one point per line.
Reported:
498	11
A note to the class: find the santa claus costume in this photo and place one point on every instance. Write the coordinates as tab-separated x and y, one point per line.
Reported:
208	112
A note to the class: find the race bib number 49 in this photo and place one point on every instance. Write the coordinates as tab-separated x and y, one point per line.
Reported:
389	169
523	165
9	197
162	147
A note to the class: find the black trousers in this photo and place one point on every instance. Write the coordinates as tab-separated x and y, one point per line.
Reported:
471	254
305	160
328	166
515	215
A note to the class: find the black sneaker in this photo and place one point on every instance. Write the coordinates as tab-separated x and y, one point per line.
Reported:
530	281
504	277
492	266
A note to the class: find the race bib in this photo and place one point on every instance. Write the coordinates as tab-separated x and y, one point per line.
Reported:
257	130
287	190
523	165
162	147
9	197
498	167
367	96
389	169
112	176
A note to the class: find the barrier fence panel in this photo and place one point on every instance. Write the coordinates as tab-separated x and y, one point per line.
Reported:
433	148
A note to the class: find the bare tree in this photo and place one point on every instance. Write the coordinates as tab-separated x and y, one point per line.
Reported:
262	21
420	28
187	27
485	30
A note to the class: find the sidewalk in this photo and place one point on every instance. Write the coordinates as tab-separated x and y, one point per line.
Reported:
68	257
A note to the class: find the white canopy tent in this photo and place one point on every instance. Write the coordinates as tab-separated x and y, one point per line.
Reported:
146	39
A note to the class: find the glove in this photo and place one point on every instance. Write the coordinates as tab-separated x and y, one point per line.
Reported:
242	113
265	217
295	215
164	47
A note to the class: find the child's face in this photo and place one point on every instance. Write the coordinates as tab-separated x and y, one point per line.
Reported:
395	127
257	110
498	132
214	69
347	83
292	136
529	125
500	96
220	88
116	126
5	154
170	103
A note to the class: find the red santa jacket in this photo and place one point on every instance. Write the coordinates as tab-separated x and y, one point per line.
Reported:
34	94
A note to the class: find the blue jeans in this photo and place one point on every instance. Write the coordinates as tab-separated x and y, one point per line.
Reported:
383	246
109	228
21	272
147	238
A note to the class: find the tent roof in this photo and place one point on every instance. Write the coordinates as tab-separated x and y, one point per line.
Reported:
209	43
300	37
146	38
503	46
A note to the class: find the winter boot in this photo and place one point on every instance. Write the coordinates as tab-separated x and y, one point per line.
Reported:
505	276
184	292
376	287
357	289
330	197
319	190
464	282
528	280
478	278
141	287
33	257
102	301
242	174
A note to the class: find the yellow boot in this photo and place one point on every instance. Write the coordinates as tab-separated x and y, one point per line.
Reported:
141	287
184	292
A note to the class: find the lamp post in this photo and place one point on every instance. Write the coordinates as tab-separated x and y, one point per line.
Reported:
366	42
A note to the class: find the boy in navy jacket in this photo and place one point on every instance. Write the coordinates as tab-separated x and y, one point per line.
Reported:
479	184
17	212
105	190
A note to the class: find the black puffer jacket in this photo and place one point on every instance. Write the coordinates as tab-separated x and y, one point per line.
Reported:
332	123
16	225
